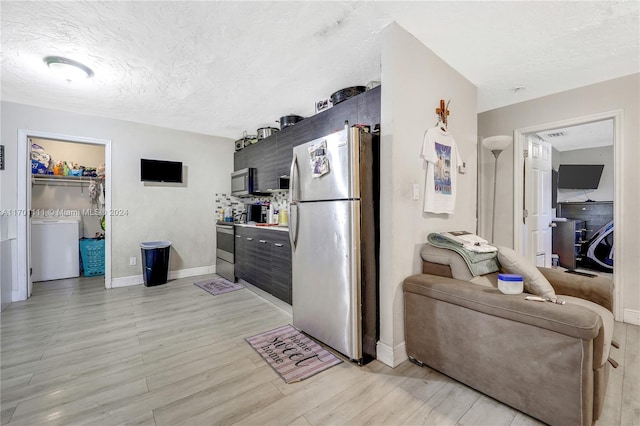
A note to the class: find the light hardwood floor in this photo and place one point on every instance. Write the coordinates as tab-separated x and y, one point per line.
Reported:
175	355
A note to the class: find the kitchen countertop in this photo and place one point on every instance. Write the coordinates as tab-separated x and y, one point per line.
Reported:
272	227
248	225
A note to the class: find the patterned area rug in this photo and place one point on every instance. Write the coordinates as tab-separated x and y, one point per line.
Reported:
218	285
292	354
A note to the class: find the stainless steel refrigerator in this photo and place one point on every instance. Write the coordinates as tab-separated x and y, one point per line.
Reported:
333	220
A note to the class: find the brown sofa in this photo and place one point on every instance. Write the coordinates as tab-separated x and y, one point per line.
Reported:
544	359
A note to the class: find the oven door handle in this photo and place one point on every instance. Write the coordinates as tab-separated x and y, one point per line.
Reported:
225	230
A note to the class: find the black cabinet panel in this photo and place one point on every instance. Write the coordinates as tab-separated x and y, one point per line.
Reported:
241	159
263	262
272	156
246	251
263	258
369	107
281	267
596	214
263	158
285	150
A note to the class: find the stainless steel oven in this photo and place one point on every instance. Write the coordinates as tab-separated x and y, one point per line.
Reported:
225	248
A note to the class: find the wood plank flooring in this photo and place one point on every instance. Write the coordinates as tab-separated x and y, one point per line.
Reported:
175	355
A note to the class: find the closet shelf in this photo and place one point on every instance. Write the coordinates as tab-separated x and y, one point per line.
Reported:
63	180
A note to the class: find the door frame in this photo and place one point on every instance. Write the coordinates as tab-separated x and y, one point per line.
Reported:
24	204
519	230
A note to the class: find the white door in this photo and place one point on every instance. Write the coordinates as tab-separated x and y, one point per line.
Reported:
538	222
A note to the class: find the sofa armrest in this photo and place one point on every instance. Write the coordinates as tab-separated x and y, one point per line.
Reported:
571	320
594	289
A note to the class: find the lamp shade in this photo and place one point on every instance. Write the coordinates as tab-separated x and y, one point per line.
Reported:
497	143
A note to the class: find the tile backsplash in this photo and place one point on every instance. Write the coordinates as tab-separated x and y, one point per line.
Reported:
237	204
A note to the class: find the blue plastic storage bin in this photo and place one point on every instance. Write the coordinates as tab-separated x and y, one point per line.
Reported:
92	255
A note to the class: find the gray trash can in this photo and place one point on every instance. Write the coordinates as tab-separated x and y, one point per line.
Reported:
155	262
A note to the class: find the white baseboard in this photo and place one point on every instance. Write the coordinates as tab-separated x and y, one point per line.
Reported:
126	281
173	275
192	272
631	317
391	356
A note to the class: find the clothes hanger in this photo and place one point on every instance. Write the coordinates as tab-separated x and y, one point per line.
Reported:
443	112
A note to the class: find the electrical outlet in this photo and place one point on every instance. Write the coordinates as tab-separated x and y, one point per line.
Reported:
133	261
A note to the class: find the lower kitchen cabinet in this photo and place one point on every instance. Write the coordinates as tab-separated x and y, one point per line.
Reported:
280	249
246	251
263	259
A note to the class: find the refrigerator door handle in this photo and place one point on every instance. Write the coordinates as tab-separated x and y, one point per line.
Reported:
293	228
293	180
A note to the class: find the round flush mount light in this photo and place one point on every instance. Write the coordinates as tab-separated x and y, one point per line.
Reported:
68	69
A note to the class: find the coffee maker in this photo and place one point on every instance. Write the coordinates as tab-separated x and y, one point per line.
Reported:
256	213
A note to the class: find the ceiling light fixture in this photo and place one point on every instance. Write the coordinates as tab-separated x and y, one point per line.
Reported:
68	69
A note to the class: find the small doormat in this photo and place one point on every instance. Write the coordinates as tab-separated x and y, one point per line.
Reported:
217	286
292	354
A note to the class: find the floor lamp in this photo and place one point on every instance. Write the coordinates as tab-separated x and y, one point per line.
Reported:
495	144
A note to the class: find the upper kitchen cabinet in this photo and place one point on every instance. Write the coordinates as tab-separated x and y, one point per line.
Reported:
271	157
263	158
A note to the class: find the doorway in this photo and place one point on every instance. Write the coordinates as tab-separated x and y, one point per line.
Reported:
522	203
24	282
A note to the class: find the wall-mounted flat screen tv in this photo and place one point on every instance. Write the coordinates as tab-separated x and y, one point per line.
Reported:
579	176
160	171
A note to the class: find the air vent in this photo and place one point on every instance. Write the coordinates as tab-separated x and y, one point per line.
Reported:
555	135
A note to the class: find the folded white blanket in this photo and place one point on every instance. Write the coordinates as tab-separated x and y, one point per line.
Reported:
471	242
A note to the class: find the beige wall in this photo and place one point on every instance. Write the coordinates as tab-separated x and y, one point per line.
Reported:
414	80
181	213
84	154
621	93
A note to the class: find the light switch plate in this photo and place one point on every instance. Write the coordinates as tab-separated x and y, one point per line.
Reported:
132	261
416	192
462	168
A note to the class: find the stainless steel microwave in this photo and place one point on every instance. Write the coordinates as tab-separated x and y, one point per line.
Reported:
242	182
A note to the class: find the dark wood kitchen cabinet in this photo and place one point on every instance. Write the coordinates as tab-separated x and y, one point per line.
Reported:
280	251
265	164
245	252
262	156
271	157
263	259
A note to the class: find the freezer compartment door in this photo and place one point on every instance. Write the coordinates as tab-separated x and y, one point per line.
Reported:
326	168
326	275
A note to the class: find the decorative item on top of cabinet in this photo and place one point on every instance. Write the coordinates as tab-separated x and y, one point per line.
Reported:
272	156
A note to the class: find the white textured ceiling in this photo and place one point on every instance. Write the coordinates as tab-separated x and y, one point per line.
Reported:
583	136
221	68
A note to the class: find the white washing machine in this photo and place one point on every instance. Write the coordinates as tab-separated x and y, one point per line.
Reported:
55	247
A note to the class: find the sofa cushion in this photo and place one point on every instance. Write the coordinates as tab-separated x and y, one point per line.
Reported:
489	280
602	343
459	268
534	281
